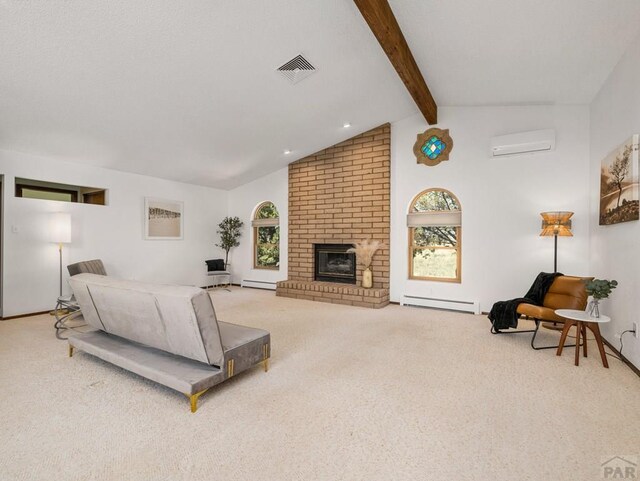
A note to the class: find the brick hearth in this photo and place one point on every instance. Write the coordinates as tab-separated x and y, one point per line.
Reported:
340	195
334	293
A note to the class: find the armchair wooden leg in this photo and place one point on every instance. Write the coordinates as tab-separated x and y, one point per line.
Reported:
70	350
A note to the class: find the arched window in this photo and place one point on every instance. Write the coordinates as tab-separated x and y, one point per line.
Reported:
266	237
434	221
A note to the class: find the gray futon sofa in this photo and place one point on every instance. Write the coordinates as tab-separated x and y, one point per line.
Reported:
168	334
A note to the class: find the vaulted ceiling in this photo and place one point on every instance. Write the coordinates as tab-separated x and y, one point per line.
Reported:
188	90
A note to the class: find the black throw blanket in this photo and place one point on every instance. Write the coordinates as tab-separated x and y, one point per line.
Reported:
503	314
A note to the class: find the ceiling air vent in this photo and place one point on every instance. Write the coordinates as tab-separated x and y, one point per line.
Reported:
296	69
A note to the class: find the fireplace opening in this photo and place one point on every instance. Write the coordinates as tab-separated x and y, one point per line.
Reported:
334	264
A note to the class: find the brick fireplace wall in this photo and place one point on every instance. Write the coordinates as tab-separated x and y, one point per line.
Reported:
340	195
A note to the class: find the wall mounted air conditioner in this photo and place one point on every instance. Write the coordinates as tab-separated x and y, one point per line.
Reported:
523	143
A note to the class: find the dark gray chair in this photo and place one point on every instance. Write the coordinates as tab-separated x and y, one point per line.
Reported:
94	266
67	308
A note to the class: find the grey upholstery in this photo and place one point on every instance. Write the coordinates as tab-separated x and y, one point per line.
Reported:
176	319
94	266
175	372
169	334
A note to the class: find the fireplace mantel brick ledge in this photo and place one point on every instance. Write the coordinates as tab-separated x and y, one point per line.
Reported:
334	293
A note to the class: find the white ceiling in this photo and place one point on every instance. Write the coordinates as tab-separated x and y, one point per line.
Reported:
188	90
501	52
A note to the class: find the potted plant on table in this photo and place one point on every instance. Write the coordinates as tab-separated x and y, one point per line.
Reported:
364	251
598	289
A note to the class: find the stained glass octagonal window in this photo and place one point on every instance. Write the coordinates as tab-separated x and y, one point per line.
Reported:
433	146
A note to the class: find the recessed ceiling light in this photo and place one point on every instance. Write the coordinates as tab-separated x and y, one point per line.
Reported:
287	152
346	125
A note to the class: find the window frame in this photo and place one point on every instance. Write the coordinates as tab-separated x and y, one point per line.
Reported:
20	187
77	194
458	247
256	244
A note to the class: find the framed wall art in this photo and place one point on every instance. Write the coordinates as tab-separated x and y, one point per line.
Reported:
619	199
163	219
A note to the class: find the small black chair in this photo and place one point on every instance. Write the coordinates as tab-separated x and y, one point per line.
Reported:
220	276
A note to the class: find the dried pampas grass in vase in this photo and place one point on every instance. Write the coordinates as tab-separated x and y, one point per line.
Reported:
364	251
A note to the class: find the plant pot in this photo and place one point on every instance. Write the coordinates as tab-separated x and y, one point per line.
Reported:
367	278
594	309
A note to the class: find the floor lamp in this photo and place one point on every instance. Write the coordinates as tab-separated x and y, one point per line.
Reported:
556	224
60	234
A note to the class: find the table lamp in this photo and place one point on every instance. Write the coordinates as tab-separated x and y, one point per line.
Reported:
556	224
60	233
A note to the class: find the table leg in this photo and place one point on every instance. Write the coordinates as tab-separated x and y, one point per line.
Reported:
578	331
584	339
567	325
595	328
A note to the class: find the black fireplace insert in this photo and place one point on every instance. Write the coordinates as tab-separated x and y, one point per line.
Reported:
334	264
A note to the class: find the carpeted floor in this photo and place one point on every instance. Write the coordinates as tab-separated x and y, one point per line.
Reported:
352	394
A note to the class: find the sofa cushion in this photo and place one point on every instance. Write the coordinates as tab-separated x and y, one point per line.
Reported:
184	375
177	319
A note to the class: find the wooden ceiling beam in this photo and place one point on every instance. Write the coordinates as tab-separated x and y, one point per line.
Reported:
383	24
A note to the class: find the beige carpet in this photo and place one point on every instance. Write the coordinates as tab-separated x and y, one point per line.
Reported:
352	394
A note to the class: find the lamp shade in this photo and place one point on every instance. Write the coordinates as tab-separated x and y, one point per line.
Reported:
556	223
60	228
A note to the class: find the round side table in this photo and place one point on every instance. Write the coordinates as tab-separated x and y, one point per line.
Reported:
582	320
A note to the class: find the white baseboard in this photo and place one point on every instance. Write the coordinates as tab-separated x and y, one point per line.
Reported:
259	284
450	304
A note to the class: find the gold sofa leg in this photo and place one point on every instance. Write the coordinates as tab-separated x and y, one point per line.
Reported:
70	350
193	399
265	357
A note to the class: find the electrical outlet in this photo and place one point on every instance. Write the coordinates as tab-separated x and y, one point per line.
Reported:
635	328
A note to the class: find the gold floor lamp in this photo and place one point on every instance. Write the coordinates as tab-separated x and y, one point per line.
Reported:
556	224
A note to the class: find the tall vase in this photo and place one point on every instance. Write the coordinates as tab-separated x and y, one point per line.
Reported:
594	309
367	279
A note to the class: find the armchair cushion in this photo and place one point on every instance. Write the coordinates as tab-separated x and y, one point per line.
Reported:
566	292
539	312
215	265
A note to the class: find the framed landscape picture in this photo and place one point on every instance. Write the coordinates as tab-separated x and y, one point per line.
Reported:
619	199
163	219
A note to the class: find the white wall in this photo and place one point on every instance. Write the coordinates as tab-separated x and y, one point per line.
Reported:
242	203
501	199
615	250
113	233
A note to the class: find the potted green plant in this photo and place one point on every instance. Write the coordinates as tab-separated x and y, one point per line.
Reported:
230	231
598	289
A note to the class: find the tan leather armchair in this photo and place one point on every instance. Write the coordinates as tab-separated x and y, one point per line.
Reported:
566	292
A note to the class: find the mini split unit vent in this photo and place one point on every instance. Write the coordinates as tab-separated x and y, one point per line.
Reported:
523	143
296	69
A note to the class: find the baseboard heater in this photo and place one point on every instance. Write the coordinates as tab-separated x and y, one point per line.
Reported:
259	284
465	306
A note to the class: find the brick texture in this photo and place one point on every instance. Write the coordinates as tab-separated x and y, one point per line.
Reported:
340	195
334	293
